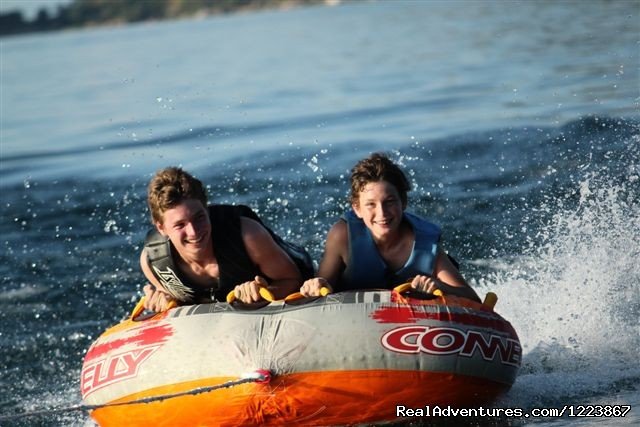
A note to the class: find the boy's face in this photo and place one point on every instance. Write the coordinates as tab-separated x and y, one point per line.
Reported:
187	226
380	207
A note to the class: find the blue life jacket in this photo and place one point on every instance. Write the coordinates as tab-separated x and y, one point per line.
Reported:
365	267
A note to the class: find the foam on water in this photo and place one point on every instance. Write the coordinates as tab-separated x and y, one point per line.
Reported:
573	294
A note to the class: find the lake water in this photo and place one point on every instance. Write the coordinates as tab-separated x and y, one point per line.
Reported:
518	124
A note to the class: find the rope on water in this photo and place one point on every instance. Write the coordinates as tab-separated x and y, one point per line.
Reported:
259	376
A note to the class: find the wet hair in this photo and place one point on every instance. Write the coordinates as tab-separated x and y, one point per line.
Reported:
375	168
170	187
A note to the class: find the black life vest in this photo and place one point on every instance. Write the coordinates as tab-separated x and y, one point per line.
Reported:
234	264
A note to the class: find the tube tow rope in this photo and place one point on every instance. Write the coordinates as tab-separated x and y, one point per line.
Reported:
259	376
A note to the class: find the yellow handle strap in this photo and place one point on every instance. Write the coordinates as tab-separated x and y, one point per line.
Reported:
407	286
264	293
324	291
139	308
490	300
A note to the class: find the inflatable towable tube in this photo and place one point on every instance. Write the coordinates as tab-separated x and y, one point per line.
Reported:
347	358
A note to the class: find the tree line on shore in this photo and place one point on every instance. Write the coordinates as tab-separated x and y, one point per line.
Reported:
82	13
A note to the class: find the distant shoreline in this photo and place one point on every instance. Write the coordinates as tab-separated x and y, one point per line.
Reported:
93	13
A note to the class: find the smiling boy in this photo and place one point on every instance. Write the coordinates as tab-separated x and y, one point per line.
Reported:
377	244
199	252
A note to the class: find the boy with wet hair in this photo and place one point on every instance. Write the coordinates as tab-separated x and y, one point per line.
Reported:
197	252
377	244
